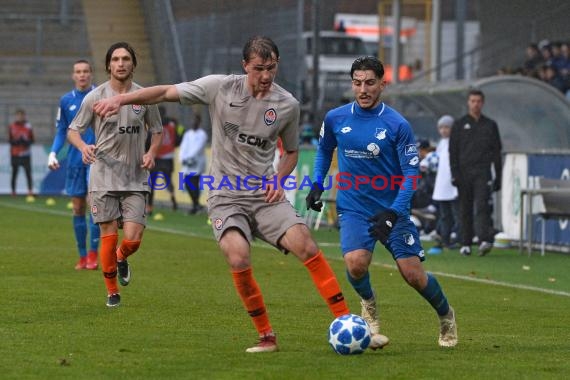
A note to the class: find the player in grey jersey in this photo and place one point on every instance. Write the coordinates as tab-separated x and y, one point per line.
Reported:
118	181
249	113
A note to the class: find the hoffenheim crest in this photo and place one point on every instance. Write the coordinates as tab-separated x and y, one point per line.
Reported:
380	133
409	239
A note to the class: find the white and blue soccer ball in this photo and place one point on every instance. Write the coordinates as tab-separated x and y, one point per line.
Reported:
349	334
430	162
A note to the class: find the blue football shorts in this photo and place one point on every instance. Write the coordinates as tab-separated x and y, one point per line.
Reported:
404	240
76	180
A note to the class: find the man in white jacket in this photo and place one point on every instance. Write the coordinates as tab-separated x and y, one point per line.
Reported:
193	160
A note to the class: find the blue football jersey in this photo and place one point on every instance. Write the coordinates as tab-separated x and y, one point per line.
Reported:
377	158
68	106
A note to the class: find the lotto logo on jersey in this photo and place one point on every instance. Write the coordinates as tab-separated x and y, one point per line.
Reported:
270	116
137	108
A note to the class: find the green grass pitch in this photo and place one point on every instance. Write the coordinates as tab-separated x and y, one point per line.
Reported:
180	317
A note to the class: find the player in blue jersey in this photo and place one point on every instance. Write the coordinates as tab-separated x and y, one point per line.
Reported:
378	164
77	172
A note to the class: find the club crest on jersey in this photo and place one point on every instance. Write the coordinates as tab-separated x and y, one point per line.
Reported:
94	210
137	108
409	239
218	223
270	116
380	133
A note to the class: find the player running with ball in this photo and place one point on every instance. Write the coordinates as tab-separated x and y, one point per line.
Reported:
371	140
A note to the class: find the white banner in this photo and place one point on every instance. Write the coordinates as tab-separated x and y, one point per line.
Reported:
515	178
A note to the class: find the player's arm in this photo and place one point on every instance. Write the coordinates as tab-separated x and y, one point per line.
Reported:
82	120
323	159
289	136
149	95
152	119
409	165
87	151
286	166
384	220
59	138
148	157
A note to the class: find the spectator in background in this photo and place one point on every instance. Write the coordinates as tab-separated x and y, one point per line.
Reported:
533	61
307	131
164	161
474	145
21	137
546	54
565	66
444	193
552	78
192	157
423	207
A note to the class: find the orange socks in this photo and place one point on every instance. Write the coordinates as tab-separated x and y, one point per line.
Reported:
252	299
327	284
127	248
109	262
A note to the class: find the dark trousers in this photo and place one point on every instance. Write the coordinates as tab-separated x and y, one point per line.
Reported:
194	191
474	211
448	220
24	162
163	170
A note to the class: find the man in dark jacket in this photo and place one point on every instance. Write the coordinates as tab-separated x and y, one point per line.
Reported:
474	145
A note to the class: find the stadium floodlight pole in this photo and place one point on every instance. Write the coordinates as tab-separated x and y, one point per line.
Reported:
316	53
395	59
435	56
300	50
460	9
175	41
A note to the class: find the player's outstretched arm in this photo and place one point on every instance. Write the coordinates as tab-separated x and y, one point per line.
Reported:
150	95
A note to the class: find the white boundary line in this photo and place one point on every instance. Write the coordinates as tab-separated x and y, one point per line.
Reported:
265	245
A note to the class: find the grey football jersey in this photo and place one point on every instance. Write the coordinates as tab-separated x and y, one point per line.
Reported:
245	130
119	141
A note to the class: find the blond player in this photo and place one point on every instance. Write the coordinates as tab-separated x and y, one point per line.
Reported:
249	113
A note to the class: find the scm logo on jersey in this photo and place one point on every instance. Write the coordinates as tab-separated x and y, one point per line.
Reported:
252	140
129	129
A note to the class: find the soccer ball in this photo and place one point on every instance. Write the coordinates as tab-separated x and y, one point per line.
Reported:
349	334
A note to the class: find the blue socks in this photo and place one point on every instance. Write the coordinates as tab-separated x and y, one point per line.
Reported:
94	234
80	229
362	286
434	295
